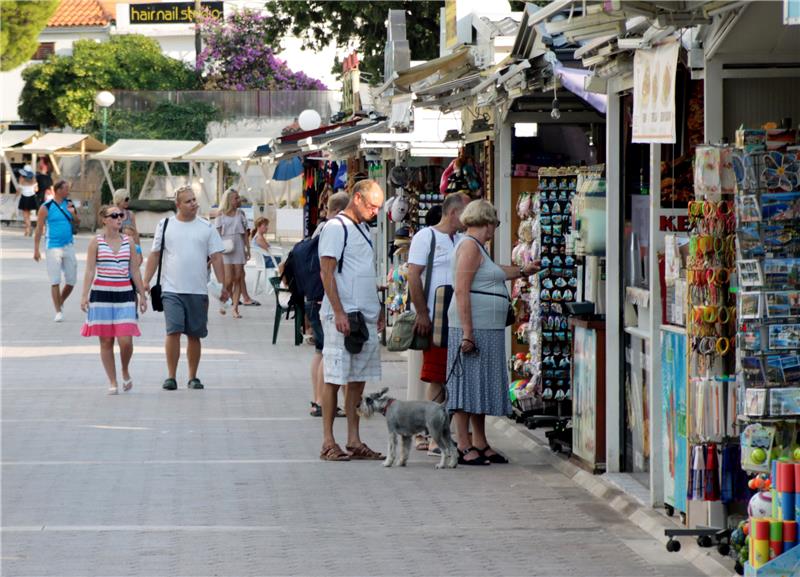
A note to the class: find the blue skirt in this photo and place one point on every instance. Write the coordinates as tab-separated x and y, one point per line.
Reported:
479	383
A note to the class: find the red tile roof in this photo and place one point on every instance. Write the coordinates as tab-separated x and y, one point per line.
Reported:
79	13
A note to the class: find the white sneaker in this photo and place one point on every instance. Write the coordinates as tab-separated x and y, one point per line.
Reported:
59	317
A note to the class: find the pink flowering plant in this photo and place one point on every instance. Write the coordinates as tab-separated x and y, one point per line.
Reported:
237	56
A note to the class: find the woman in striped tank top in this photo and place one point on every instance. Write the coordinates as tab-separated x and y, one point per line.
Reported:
111	305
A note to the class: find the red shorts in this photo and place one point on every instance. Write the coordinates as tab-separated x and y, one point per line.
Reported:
434	365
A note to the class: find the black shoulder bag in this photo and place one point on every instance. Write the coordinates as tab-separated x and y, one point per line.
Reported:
155	290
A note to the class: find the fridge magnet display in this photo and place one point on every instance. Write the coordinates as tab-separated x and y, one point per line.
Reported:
750	273
750	305
783	337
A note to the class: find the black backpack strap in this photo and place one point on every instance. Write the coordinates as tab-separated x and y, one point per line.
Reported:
344	228
429	269
161	252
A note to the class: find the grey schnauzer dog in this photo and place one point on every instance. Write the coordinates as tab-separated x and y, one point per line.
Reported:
408	418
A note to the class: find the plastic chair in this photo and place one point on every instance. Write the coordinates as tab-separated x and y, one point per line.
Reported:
260	264
282	297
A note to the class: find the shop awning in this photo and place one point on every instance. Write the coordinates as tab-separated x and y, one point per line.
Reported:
149	150
11	138
64	144
432	71
226	149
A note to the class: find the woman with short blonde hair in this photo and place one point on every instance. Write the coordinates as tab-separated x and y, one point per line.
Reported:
122	199
478	379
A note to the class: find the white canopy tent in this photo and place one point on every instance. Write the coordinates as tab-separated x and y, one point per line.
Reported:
11	142
222	150
57	145
152	151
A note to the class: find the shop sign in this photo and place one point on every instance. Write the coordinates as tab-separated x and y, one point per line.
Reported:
171	12
673	223
654	73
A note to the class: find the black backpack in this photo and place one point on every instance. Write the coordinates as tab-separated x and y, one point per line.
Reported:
306	270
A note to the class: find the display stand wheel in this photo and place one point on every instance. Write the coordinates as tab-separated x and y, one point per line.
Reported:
704	541
739	568
670	510
723	549
673	546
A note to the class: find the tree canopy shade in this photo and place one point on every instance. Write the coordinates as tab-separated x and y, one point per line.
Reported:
238	55
22	21
61	91
357	23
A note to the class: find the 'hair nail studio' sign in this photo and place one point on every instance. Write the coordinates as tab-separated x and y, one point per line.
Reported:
170	12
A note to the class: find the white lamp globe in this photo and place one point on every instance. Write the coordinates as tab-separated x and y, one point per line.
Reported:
104	99
309	120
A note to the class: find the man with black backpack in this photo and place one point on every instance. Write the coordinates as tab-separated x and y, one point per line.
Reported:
352	317
302	265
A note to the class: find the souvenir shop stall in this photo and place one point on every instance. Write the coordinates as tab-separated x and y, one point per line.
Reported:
543	191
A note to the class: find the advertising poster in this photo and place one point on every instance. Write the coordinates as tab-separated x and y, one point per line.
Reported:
673	385
584	383
654	93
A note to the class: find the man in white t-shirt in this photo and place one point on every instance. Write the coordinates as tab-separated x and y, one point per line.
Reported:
350	296
189	243
446	234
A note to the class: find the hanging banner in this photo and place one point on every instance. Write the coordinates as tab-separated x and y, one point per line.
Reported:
654	74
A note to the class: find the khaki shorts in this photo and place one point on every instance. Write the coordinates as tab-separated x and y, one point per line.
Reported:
342	367
62	260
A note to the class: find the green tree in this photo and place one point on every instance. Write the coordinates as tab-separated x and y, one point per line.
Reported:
19	33
61	91
357	23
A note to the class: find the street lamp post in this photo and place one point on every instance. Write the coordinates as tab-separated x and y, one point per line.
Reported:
104	99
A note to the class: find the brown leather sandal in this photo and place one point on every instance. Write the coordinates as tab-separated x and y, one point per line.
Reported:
364	453
333	453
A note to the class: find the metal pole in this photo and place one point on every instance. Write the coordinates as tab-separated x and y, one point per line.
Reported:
105	123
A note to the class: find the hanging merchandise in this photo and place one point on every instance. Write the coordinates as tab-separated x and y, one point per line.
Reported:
768	348
543	237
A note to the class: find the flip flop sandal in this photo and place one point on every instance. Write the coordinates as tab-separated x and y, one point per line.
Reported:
421	443
252	304
435	452
480	460
333	453
316	410
496	458
113	391
127	385
364	453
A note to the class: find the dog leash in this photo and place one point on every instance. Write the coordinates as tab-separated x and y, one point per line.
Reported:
388	404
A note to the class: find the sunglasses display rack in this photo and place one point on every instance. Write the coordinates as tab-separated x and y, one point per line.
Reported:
550	336
768	347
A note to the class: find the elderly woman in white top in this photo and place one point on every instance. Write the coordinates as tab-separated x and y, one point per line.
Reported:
476	356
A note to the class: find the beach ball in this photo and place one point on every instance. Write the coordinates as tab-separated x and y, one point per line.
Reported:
760	505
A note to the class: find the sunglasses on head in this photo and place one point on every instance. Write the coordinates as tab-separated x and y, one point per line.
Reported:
115	215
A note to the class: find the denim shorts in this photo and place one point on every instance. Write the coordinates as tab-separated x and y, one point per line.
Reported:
312	314
186	314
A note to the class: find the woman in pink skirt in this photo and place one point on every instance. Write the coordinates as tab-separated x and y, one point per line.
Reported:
111	304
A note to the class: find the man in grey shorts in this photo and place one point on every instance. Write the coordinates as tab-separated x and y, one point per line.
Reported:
189	243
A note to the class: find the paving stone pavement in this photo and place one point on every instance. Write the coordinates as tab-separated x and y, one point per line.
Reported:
227	481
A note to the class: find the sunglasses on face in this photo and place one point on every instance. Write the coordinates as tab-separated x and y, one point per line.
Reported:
115	215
